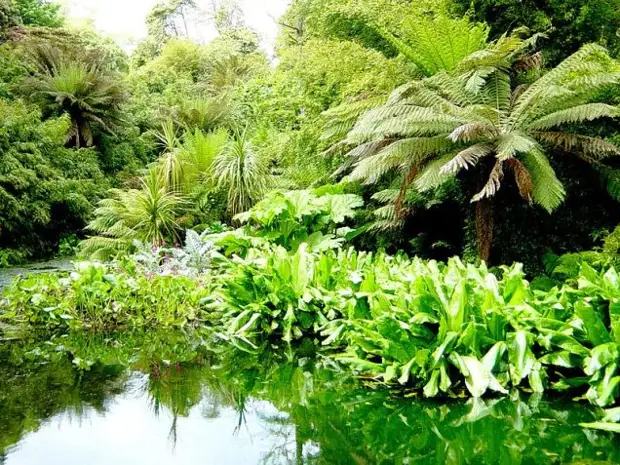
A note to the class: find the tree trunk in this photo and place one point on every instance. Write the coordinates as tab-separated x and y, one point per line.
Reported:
484	228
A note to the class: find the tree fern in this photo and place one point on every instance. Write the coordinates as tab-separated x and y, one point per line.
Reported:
548	191
431	45
445	124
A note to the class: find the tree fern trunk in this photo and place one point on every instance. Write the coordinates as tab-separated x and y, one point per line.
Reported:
484	228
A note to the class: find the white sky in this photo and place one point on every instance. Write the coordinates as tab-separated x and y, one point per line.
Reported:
124	20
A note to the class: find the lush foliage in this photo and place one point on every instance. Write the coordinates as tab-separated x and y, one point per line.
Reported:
98	298
432	130
436	125
46	190
441	329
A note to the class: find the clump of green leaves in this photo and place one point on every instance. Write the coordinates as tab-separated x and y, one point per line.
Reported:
100	297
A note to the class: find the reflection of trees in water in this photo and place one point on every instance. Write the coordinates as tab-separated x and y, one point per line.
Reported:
320	416
32	393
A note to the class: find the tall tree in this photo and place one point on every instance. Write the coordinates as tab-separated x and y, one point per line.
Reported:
39	13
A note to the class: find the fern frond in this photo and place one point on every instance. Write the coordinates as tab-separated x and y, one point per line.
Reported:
590	146
497	90
576	114
341	119
466	158
473	131
396	155
493	184
548	191
432	176
439	43
509	145
411	121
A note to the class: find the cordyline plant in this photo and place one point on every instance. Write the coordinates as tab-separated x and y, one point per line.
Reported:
481	116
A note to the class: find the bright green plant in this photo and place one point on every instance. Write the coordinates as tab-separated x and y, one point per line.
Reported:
430	45
151	214
243	172
292	218
46	189
198	153
482	117
39	13
97	298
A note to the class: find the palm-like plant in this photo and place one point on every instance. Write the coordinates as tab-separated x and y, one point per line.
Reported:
480	116
170	166
91	97
244	173
187	163
149	215
199	152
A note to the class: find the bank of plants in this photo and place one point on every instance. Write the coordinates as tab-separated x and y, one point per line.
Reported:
100	297
437	329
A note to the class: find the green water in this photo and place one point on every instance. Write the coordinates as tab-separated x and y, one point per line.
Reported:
176	399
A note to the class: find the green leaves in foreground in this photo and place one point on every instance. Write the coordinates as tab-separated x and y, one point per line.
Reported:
446	329
440	329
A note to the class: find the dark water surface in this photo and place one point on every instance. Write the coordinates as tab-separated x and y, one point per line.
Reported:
164	400
8	274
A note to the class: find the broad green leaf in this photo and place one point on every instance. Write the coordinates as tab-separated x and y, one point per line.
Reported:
549	339
562	358
494	355
604	392
445	346
595	328
600	357
614	317
477	376
538	378
520	355
301	270
603	426
431	389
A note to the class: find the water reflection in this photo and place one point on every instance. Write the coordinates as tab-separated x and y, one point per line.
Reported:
154	399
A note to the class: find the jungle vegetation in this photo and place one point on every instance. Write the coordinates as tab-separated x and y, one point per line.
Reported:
429	189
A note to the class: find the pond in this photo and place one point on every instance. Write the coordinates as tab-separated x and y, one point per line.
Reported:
178	399
8	274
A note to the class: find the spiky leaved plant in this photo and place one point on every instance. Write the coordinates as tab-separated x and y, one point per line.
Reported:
243	172
479	116
430	45
151	215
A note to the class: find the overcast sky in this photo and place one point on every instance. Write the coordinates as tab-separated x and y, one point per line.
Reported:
125	19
